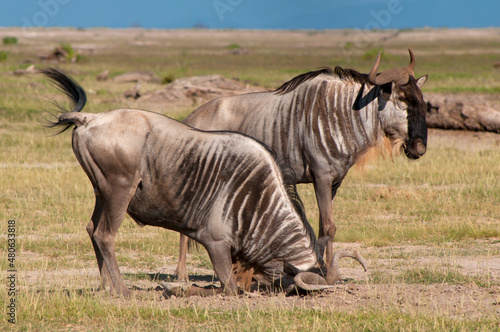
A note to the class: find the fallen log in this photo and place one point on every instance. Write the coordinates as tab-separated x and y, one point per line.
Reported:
195	91
464	112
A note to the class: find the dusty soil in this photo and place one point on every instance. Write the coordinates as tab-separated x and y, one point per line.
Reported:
464	140
94	37
357	290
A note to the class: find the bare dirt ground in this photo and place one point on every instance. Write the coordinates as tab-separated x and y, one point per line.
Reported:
314	38
468	301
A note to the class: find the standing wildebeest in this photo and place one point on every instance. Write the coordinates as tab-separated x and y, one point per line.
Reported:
321	123
221	189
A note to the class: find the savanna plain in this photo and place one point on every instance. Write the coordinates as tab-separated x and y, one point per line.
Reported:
429	229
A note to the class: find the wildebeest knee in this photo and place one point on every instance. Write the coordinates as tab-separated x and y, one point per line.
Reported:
331	231
90	228
103	240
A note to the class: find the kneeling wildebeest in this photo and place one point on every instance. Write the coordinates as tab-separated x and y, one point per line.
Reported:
222	189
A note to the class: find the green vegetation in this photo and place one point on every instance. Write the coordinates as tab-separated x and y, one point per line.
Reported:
169	78
372	54
429	276
9	40
70	54
233	46
70	51
413	220
4	55
60	310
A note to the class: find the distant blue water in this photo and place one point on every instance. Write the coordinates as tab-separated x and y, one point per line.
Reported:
252	14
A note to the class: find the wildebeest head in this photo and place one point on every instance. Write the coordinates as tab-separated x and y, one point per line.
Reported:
403	106
323	276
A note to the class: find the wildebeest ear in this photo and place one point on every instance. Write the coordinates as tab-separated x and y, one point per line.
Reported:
421	81
290	269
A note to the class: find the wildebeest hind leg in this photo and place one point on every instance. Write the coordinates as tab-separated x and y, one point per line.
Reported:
181	271
114	205
91	226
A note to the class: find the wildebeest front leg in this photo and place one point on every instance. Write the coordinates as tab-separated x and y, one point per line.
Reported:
324	195
181	271
91	226
220	256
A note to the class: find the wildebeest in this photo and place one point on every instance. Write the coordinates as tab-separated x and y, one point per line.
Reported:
322	122
222	189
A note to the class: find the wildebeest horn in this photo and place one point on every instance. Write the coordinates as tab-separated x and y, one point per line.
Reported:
373	72
333	273
397	75
310	281
411	66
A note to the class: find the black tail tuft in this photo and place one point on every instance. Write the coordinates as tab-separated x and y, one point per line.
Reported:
70	88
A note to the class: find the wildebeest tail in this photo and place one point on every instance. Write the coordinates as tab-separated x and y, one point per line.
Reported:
76	94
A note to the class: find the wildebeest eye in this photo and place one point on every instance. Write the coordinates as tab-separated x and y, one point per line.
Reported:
387	90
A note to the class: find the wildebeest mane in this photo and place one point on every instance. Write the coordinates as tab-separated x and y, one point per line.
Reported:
343	74
244	271
351	75
298	80
291	190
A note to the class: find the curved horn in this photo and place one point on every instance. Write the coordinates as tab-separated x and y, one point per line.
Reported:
397	75
333	273
310	281
411	66
372	76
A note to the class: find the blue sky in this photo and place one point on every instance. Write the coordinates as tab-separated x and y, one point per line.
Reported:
252	14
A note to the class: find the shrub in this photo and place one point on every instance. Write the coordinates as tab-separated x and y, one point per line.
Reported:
70	51
167	79
9	40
